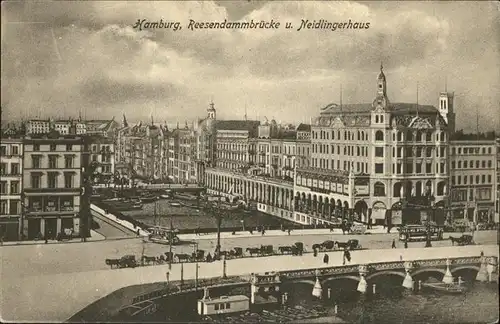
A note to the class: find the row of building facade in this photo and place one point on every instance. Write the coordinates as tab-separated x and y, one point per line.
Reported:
354	160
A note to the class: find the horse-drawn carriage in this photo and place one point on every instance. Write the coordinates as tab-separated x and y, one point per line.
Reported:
336	245
462	240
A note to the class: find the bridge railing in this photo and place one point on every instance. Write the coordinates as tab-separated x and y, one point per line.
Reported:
378	266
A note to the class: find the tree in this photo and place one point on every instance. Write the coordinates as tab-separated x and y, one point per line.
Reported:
217	212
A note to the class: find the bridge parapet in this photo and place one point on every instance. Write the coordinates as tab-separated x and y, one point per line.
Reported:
410	265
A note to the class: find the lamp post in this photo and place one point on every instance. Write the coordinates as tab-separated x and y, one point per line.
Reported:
428	242
195	248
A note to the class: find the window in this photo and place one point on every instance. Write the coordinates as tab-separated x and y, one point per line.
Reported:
228	305
483	164
453	164
489	164
453	152
418	168
409	167
465	180
14	168
409	151
471	164
68	162
52	180
379	189
489	178
52	161
483	179
379	168
68	180
428	152
3	187
428	167
428	137
36	181
14	187
409	136
36	147
477	179
452	180
3	150
379	151
69	147
379	136
3	207
459	164
53	147
36	162
14	207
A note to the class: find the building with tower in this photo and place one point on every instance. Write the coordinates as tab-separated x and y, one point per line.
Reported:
368	160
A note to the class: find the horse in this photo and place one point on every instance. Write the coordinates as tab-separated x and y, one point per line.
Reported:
113	262
253	251
147	259
182	257
317	247
285	249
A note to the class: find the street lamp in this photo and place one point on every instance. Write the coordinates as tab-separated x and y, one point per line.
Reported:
428	242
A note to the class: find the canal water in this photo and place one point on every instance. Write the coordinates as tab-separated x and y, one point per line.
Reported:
393	304
192	218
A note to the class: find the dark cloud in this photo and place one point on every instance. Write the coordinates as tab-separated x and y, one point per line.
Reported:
104	90
86	54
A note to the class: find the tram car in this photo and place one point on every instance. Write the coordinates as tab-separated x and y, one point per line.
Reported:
223	305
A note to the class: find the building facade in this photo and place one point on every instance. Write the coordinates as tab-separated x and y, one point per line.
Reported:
53	198
369	159
11	168
102	155
473	175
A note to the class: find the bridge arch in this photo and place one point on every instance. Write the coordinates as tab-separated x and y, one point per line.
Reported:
424	270
382	273
324	282
465	267
304	281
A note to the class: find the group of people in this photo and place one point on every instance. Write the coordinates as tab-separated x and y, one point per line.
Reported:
394	244
346	256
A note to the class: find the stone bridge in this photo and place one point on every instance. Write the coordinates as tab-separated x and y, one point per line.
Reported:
397	268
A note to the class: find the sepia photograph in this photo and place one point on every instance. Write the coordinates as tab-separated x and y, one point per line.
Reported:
250	161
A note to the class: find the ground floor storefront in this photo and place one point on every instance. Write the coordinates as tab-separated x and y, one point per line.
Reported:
9	228
37	227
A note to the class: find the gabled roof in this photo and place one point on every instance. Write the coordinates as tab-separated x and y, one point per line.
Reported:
397	108
304	128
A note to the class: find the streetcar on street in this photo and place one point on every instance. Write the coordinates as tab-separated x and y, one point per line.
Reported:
411	233
163	235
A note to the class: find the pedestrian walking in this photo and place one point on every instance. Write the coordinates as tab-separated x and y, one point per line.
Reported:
46	239
406	244
393	244
263	231
289	231
326	259
315	252
347	257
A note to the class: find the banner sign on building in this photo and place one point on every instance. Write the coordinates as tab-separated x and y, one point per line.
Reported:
361	190
397	217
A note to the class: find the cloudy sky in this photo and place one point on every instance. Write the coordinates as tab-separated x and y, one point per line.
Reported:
60	57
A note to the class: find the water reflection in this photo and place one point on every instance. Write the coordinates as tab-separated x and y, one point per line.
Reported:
393	304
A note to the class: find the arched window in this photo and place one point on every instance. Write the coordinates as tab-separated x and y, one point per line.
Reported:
379	189
409	137
397	189
441	188
379	135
